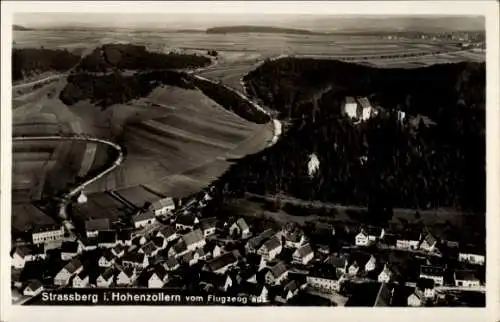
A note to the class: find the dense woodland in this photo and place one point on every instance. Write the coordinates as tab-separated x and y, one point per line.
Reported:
28	62
133	57
116	88
381	163
231	101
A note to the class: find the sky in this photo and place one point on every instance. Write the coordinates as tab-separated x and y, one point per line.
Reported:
203	21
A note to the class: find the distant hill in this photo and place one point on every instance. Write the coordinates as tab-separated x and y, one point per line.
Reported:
259	29
18	27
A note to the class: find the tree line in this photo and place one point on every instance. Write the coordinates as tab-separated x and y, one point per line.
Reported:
28	62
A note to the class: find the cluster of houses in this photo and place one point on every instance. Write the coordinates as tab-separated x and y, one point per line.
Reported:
359	109
229	256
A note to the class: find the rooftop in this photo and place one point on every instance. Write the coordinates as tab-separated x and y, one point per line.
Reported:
222	261
193	237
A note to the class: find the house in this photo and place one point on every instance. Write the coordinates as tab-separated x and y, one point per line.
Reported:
107	259
472	255
81	279
105	278
186	222
256	242
28	253
149	249
353	269
367	110
270	249
118	251
208	226
428	243
350	107
126	276
361	239
276	274
144	218
194	239
324	277
158	277
71	268
416	298
435	273
212	250
135	260
70	249
303	254
33	288
426	285
89	243
339	262
362	260
168	233
47	233
106	238
163	206
466	278
94	226
221	282
190	258
171	264
370	264
409	239
124	237
178	249
222	263
294	237
385	275
290	290
239	228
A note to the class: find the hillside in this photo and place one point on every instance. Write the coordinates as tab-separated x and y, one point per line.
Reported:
380	163
168	127
258	29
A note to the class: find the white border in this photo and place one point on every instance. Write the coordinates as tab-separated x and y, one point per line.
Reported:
486	8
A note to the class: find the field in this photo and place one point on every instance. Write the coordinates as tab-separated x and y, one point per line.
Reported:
176	131
27	216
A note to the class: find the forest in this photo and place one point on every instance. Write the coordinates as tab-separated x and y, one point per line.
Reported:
115	88
28	62
381	163
135	57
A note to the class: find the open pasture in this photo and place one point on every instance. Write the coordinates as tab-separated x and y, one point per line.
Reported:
180	130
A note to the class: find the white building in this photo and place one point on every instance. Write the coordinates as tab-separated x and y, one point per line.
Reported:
361	238
48	234
70	269
24	254
303	254
143	219
351	107
466	279
433	273
163	206
240	228
270	249
81	280
33	288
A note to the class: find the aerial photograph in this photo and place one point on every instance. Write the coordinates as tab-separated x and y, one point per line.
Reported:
248	160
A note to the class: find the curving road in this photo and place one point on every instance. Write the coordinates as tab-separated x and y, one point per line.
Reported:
67	197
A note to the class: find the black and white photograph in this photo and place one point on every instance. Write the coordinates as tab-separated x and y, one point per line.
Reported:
248	159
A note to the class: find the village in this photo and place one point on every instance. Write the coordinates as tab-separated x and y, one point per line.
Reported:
183	249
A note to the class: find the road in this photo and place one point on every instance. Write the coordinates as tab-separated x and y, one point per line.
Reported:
72	193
